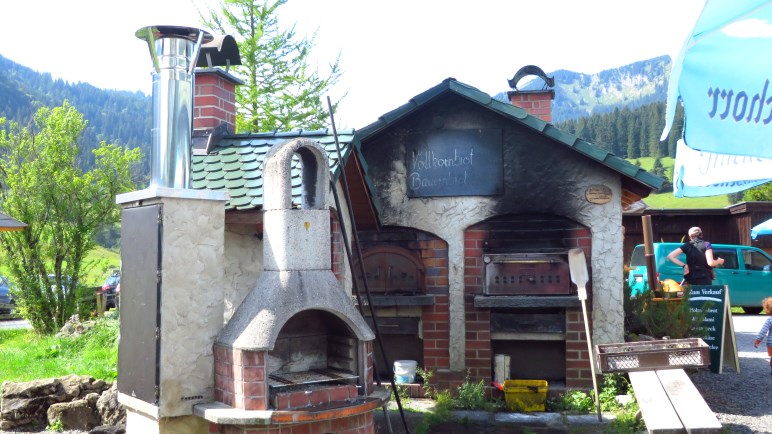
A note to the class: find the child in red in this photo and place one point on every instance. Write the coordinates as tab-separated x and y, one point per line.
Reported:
766	329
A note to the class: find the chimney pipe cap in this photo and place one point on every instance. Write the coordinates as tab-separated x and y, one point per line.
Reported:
151	33
531	70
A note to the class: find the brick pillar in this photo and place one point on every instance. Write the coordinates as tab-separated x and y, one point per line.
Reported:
214	101
240	379
536	102
578	370
478	353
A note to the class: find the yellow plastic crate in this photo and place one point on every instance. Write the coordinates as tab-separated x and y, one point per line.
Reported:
526	395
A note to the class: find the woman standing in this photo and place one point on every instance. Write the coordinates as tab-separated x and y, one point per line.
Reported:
698	268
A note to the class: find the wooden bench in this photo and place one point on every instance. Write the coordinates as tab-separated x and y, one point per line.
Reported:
670	403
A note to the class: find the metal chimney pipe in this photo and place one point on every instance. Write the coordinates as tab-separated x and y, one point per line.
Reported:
174	52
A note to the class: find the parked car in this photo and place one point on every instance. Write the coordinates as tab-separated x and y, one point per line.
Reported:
7	304
746	270
109	290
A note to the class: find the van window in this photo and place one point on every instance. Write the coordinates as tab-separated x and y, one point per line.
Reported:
729	255
638	258
756	261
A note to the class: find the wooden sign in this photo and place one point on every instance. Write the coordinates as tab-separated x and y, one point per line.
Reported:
598	194
713	302
455	163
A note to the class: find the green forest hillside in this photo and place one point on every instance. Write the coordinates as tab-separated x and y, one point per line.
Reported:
119	117
627	104
666	200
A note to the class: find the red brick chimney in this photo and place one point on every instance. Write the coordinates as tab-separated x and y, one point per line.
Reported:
535	102
214	101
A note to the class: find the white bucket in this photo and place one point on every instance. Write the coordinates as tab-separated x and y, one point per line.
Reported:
404	371
501	368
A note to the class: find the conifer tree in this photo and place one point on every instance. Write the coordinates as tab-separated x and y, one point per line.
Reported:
282	91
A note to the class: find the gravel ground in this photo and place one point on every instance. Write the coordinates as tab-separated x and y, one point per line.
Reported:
742	401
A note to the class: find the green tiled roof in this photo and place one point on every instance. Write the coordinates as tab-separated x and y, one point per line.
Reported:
517	114
236	164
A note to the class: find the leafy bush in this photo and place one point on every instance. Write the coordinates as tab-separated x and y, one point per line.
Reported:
577	401
402	392
672	318
471	396
426	377
573	401
612	386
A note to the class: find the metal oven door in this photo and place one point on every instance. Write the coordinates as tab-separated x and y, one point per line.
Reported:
526	274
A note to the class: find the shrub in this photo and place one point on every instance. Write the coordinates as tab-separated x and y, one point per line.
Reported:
470	395
426	377
672	318
573	401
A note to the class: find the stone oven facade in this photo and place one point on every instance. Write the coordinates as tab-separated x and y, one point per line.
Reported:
509	183
476	178
464	207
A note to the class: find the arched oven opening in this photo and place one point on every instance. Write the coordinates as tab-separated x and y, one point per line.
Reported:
314	350
396	280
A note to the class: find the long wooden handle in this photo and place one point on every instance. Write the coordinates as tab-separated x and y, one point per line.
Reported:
589	349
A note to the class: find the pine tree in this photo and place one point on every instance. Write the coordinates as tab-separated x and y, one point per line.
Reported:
281	91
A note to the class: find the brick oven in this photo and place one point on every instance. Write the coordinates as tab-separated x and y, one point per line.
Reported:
473	204
519	284
296	348
407	274
503	196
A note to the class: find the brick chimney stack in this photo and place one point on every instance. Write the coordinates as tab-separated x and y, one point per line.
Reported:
214	101
535	102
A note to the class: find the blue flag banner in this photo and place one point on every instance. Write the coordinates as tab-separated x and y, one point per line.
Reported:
699	173
723	76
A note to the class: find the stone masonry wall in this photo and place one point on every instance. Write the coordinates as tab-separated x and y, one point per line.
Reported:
539	177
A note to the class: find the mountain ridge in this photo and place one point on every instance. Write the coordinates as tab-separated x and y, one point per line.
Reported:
125	118
114	116
580	94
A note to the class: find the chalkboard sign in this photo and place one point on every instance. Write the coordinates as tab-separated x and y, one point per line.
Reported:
455	163
712	301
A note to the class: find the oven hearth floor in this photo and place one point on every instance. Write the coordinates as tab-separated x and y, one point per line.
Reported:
286	379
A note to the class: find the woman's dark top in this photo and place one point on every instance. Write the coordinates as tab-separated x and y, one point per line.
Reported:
700	273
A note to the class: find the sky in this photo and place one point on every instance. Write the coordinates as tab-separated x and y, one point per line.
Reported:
390	50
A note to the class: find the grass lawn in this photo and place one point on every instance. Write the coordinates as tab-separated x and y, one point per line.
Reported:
97	266
101	261
666	200
27	356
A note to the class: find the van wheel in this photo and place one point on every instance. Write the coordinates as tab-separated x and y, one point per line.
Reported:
752	310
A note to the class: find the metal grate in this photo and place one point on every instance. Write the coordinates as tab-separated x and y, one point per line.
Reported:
663	354
285	379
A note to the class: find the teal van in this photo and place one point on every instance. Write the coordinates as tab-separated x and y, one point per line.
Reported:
746	270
